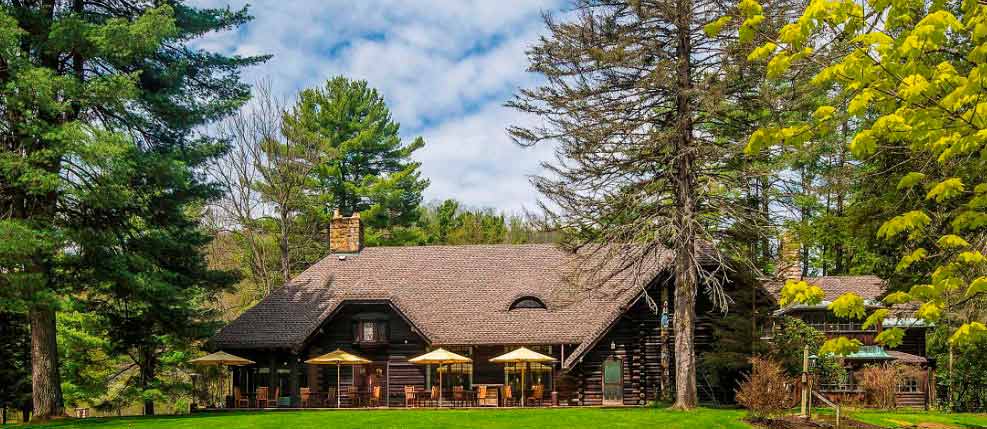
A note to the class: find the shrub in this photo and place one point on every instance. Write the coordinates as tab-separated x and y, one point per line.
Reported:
767	391
880	383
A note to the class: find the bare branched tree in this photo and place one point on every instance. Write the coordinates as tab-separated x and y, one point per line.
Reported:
264	177
646	160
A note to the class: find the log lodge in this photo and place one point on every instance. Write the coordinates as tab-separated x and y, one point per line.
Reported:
611	336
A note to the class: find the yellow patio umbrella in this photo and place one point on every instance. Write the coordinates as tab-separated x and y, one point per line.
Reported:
523	355
440	357
221	358
338	357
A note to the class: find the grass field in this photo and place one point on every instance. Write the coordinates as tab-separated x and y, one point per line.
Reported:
931	420
595	418
410	419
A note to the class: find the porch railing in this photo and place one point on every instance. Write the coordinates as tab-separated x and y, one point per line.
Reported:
839	326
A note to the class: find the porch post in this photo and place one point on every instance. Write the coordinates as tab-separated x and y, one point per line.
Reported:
293	382
272	379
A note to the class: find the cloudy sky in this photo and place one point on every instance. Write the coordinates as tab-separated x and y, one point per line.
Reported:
445	68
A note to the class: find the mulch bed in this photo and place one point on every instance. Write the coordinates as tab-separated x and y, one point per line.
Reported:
794	422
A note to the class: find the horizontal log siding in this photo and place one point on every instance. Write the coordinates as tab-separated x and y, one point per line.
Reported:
636	340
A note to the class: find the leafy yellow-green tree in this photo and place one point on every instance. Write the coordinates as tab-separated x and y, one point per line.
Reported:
912	84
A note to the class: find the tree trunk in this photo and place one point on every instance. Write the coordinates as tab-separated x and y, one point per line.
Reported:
147	369
686	396
45	382
46	386
686	275
765	209
285	247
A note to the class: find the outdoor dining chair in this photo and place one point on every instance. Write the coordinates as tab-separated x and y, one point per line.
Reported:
354	393
537	394
434	397
481	394
331	397
509	397
305	396
240	400
458	396
374	400
262	400
409	396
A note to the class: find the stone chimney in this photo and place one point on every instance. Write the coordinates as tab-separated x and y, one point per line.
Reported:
345	233
790	260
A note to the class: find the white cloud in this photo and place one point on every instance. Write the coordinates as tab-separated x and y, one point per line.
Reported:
467	160
444	68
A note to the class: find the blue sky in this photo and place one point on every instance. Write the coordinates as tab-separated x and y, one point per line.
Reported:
445	69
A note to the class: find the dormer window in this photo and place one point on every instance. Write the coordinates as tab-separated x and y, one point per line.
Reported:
369	332
370	329
528	302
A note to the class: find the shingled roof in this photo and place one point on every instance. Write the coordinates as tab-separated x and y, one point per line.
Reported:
868	287
453	295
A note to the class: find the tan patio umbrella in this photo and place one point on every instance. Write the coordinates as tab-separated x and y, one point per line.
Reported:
440	357
338	357
221	358
523	356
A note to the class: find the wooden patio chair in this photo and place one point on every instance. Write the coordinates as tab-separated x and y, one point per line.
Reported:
304	396
537	394
331	397
262	400
354	393
458	396
509	397
481	395
434	397
240	401
409	396
374	400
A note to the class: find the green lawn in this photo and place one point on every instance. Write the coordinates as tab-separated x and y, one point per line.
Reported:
932	419
407	419
596	418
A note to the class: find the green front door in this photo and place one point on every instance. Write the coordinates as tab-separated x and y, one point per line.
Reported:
613	382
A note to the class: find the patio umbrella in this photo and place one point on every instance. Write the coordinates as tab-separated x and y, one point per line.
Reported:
439	357
338	357
221	358
522	356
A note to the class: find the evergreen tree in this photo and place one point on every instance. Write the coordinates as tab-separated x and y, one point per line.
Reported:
360	162
98	161
634	93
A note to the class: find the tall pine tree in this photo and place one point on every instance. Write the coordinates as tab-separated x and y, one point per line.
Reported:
634	92
98	156
360	162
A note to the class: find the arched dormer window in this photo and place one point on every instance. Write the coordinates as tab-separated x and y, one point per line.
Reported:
528	302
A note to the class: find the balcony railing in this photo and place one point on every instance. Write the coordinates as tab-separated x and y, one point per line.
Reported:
839	388
839	327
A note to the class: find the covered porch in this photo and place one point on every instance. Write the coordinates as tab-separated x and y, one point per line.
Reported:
281	379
